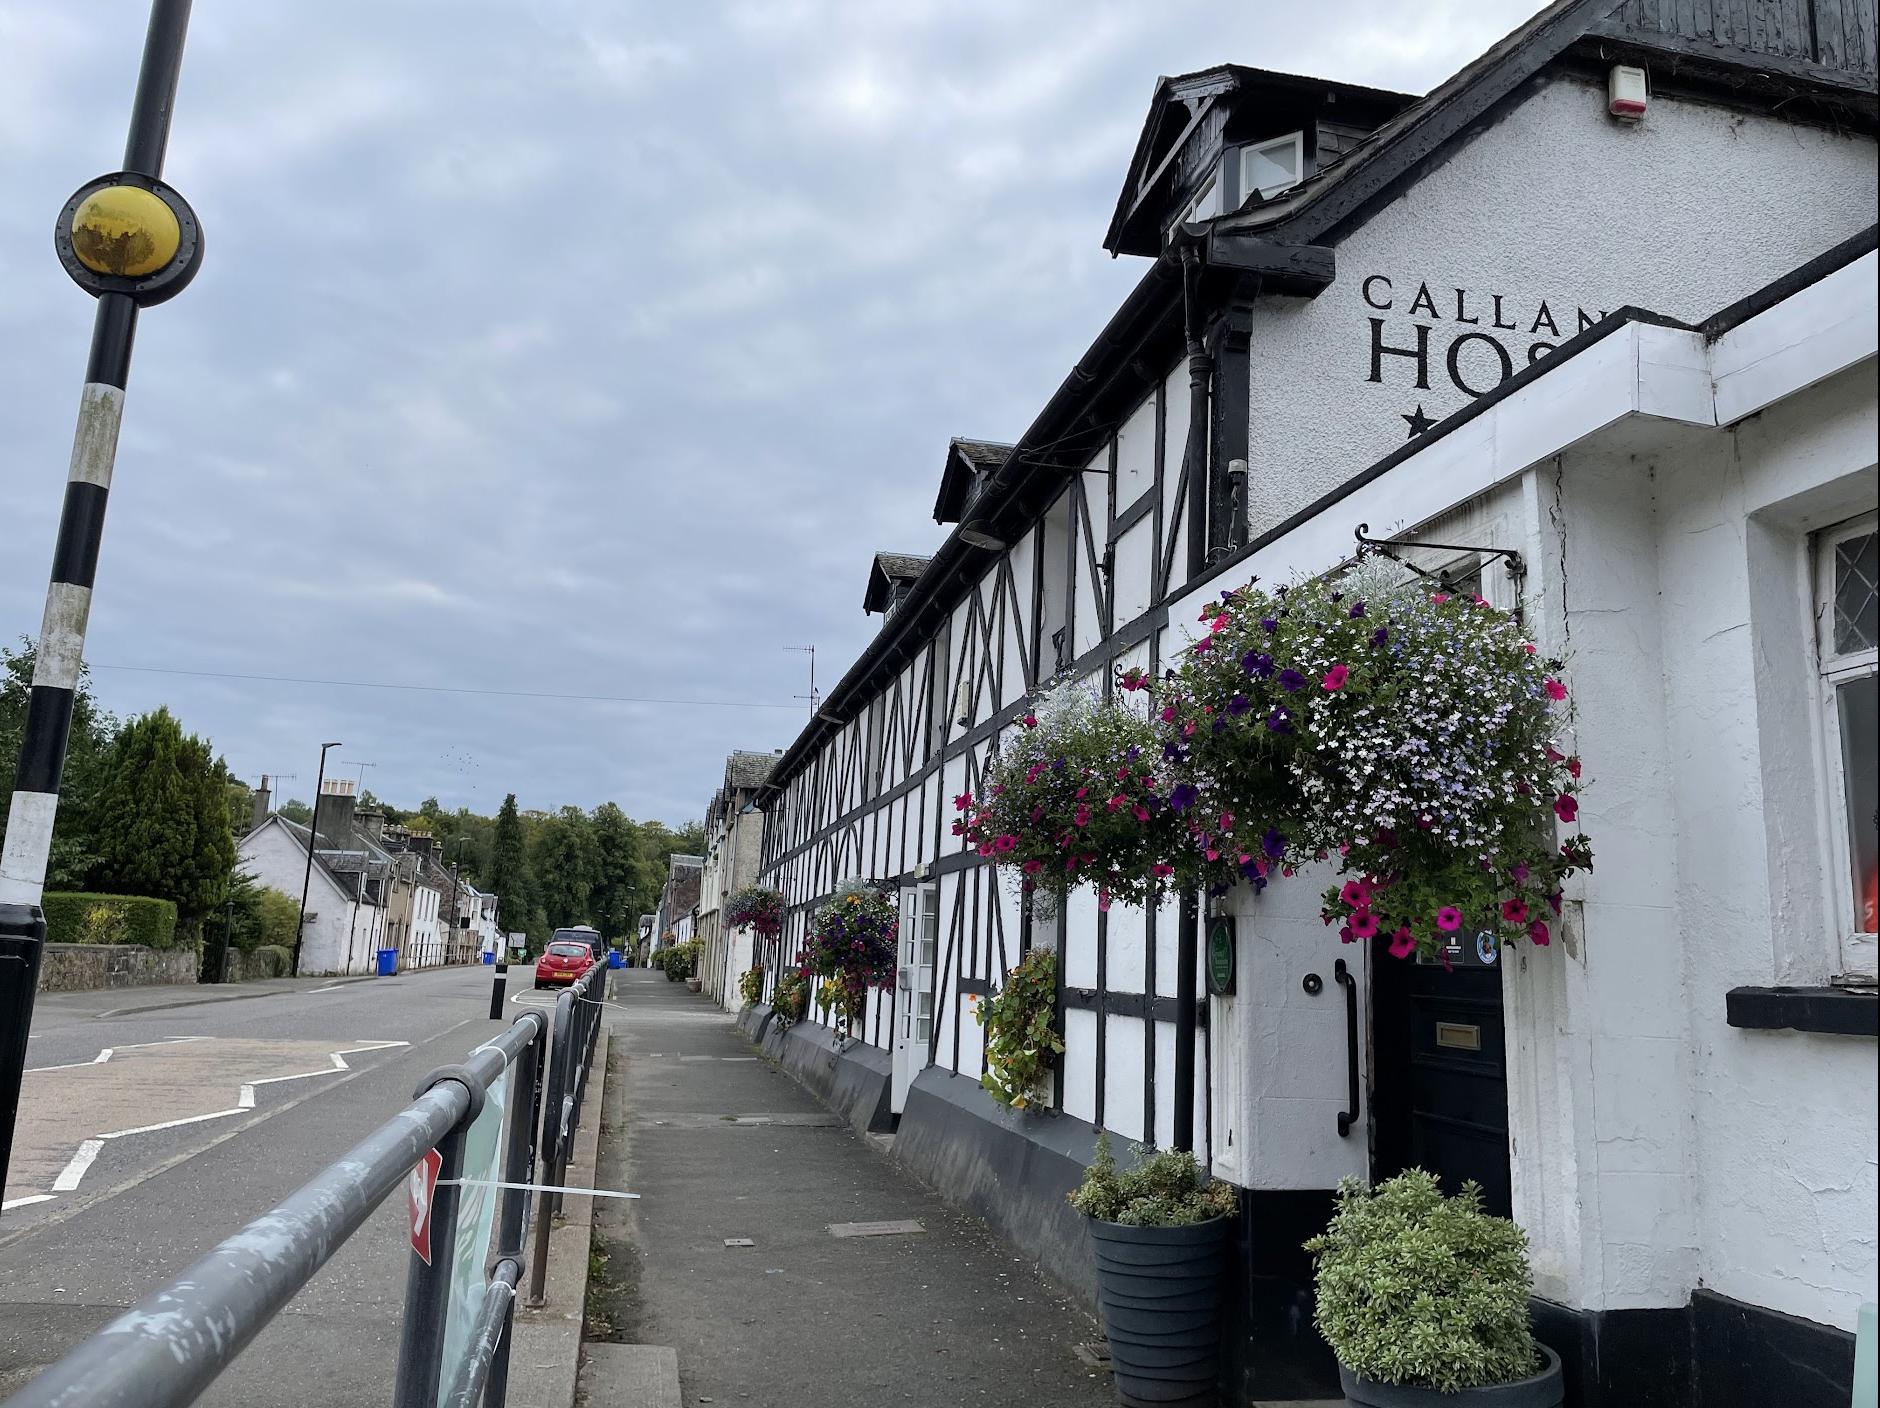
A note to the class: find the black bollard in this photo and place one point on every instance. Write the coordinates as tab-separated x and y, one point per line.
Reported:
496	989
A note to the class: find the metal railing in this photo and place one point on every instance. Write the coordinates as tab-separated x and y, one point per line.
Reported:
169	1347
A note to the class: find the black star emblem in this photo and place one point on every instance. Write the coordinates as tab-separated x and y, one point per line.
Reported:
1417	421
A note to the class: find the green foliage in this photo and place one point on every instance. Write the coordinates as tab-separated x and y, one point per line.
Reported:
262	915
680	961
270	961
83	917
162	826
296	811
1415	1288
1021	1043
620	873
564	859
751	984
791	999
508	876
87	760
1165	1188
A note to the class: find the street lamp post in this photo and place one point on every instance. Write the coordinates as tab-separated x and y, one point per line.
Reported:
130	241
313	839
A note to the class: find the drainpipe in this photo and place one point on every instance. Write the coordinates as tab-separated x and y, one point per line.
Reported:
1188	927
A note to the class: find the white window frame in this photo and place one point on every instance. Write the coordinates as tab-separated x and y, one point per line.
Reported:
1210	189
1856	948
1295	140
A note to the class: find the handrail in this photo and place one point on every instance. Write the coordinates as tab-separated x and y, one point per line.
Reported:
169	1347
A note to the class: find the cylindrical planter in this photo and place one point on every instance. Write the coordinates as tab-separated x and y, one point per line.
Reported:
1159	1289
1542	1390
693	984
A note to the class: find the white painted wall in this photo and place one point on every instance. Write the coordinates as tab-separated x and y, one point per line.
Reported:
275	859
1558	204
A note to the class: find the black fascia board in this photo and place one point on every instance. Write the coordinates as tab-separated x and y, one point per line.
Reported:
1022	488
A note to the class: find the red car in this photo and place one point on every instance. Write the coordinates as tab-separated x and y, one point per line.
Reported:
564	961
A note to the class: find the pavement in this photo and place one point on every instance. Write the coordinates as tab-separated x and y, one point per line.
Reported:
729	1257
212	1106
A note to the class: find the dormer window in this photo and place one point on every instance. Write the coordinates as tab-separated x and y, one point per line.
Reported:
1207	202
1272	167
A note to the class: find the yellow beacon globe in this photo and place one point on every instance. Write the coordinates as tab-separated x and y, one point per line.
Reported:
125	231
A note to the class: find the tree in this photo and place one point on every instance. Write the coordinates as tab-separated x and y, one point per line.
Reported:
87	754
297	811
162	824
623	873
566	863
508	875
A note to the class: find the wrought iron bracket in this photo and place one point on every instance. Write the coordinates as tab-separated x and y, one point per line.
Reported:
1389	547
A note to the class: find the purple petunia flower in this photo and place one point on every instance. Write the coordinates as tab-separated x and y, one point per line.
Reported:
1269	624
1183	796
1291	680
1134	752
1273	844
1172	752
1357	611
1381	636
1220	726
1238	705
1254	663
1280	721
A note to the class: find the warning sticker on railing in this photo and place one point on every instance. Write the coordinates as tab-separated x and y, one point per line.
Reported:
420	1192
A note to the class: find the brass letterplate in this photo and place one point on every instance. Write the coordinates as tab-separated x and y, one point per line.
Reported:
1459	1036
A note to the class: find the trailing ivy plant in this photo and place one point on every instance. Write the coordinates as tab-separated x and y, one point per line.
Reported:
1165	1188
791	999
1418	1289
751	985
1021	1043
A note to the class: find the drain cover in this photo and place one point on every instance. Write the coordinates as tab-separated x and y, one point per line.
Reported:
903	1228
1097	1355
739	1242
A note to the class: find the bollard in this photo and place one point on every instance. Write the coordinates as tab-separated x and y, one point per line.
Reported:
496	990
22	941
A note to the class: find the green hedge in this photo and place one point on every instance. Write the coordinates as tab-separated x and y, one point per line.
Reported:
270	961
78	917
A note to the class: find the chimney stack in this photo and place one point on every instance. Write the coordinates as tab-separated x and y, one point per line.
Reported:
262	798
372	823
333	814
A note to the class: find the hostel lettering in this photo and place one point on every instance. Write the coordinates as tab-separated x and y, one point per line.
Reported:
1475	340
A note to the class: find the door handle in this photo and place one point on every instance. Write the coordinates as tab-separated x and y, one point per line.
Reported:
1342	975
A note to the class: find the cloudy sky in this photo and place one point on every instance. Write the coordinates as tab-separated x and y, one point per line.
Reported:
574	347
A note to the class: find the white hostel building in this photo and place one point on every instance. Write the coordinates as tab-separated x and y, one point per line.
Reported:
1617	370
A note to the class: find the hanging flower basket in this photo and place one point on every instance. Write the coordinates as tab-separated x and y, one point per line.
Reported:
1022	1045
1074	798
757	907
854	936
1410	736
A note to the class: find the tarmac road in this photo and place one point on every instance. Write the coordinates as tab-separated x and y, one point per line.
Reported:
213	1105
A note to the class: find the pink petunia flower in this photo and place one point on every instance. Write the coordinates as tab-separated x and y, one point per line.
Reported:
1030	721
1227	821
1163	870
1032	867
985	848
963	801
1364	924
1103	901
1402	945
1335	677
1007	842
1566	806
1168	714
1537	933
1573	766
1449	919
1528	646
1356	894
1220	623
1514	911
1082	817
1439	597
1345	936
1555	689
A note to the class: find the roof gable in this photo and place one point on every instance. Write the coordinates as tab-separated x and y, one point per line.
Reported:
969	464
889	577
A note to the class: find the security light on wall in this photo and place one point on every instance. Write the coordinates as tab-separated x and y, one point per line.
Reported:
978	533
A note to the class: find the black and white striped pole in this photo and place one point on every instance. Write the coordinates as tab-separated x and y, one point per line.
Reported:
129	241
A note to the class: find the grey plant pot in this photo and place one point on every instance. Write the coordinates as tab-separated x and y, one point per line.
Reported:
1542	1390
1159	1289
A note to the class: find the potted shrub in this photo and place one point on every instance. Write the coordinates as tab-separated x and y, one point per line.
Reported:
1424	1299
1158	1230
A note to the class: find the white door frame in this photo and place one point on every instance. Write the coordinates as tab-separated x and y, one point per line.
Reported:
918	945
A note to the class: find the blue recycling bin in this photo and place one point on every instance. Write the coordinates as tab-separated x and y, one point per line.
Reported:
613	958
489	956
388	962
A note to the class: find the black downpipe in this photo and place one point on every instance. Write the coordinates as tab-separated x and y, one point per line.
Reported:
1195	464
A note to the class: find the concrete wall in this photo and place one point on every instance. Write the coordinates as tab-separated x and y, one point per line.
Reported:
84	967
1556	204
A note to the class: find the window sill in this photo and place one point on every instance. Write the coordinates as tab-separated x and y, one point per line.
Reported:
1832	1010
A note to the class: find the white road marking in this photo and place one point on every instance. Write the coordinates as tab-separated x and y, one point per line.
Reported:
110	1051
74	1172
26	1202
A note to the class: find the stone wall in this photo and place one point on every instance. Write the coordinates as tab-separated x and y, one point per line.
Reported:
83	967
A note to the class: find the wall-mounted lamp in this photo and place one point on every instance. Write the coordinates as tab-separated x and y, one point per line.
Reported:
978	533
